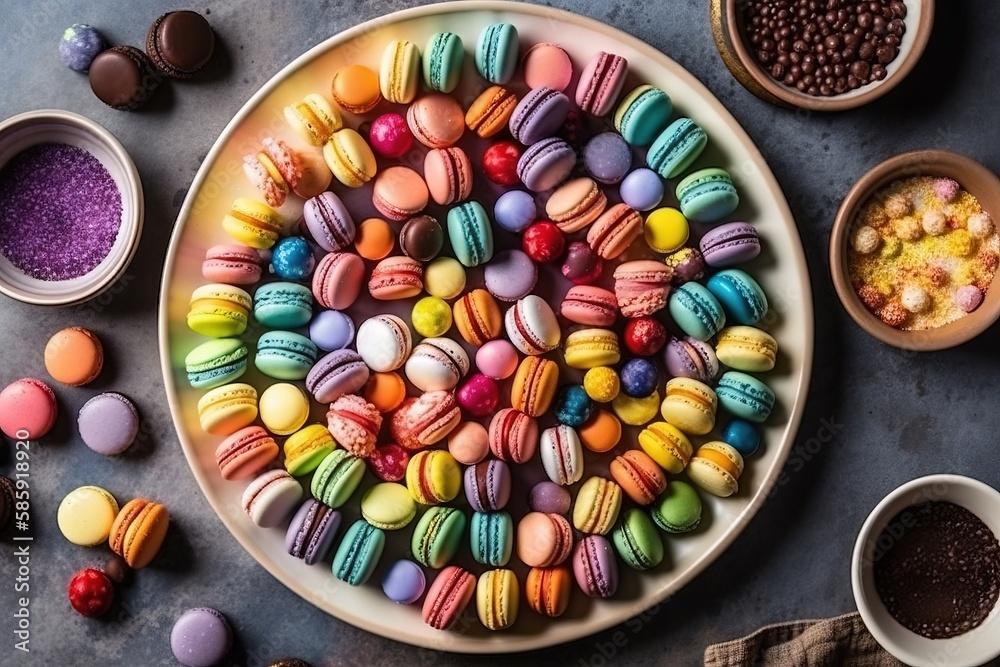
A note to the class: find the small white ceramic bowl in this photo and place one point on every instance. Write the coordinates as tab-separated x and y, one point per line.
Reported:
972	648
51	125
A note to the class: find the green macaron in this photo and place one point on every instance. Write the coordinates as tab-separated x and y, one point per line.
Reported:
337	478
358	553
443	60
470	233
492	537
285	355
216	362
678	510
438	535
496	52
676	148
642	114
388	506
707	195
637	541
283	305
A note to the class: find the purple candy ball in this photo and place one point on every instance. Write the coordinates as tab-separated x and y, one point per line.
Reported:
79	45
607	157
515	210
642	189
639	377
510	275
201	638
403	582
550	498
331	330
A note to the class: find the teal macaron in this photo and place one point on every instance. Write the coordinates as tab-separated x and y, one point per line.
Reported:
337	478
707	195
470	233
496	52
358	553
637	540
492	537
696	311
740	295
676	148
745	396
438	536
285	355
678	509
443	60
216	362
642	114
283	305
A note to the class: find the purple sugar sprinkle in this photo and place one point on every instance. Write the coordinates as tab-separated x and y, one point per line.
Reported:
60	212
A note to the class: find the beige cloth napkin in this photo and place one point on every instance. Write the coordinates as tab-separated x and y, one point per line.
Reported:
825	643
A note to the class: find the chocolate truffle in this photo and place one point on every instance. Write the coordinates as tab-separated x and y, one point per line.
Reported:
180	43
421	238
123	78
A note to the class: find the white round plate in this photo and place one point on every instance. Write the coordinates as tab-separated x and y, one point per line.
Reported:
780	269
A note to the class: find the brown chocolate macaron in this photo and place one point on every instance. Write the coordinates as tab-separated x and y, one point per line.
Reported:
180	43
123	78
421	238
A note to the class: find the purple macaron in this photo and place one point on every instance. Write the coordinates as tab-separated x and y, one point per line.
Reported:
642	189
311	532
108	423
730	244
550	498
331	330
338	373
487	485
327	222
510	275
515	210
545	164
607	157
595	567
201	638
538	115
691	358
404	582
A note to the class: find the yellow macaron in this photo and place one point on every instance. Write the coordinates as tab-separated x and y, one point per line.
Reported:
689	405
746	349
226	409
284	408
313	119
497	599
433	477
589	348
305	448
399	71
667	445
350	158
252	223
636	411
444	278
716	467
219	311
86	515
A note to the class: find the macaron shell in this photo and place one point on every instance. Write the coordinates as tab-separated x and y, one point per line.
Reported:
547	590
597	505
510	275
399	193
86	515
438	536
492	537
547	64
590	348
270	499
108	423
442	61
562	454
637	541
595	567
27	409
358	553
232	264
74	356
436	120
678	510
496	52
689	405
216	362
534	386
666	445
433	477
399	73
497	598
601	83
614	231
448	597
642	287
384	342
487	485
355	89
746	349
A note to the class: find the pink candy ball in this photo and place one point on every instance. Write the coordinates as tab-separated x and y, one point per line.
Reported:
968	298
550	498
479	395
390	136
946	189
497	359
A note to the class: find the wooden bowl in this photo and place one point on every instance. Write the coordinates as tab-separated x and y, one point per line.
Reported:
728	29
973	177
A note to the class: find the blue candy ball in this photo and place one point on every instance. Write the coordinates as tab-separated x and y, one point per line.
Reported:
639	377
79	45
642	189
515	210
573	407
743	436
292	259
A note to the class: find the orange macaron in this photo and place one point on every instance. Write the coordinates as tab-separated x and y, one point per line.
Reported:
601	432
74	356
640	477
138	531
477	317
547	590
534	386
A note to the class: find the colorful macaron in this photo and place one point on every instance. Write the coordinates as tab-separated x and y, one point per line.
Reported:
477	317
597	504
740	296
471	233
338	373
285	355
637	541
108	423
219	311
403	583
716	468
437	364
449	176
590	305
487	485
667	445
226	409
590	348
676	148
433	477
388	506
355	89
689	405
746	349
313	119
245	453
350	158
396	278
337	478
639	476
534	385
745	396
601	82
678	510
575	204
384	342
138	531
232	264
547	590
86	514
282	305
399	72
448	597
311	533
216	362
730	244
74	356
271	498
337	280
691	358
425	420
642	114
532	326
328	222
354	423
546	163
443	58
614	231
496	52
438	536
491	111
707	195
696	311
306	448
642	287
252	223
562	454
513	435
544	540
497	599
491	537
358	553
539	115
595	567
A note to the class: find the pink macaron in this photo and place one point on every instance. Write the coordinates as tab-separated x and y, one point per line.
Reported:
337	280
448	597
245	453
547	64
396	278
436	120
231	264
616	229
448	172
27	409
589	305
354	423
595	567
399	193
601	83
642	287
543	540
513	436
425	420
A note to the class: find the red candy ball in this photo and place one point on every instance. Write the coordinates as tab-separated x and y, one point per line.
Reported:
390	136
543	242
91	592
645	336
582	265
479	395
500	162
388	462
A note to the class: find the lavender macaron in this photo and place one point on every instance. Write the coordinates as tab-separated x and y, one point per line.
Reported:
108	423
538	115
404	582
327	222
607	157
311	532
331	330
546	164
487	485
691	358
730	244
511	275
201	638
595	567
338	373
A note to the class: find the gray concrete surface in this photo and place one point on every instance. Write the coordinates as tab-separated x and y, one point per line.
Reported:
897	415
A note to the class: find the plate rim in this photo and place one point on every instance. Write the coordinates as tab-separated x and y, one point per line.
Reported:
763	492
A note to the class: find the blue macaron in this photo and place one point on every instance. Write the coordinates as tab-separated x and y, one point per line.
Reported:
283	305
492	537
642	114
358	553
331	330
639	377
573	406
442	61
740	295
496	52
707	195
745	396
470	233
696	311
292	259
216	362
742	436
676	148
285	355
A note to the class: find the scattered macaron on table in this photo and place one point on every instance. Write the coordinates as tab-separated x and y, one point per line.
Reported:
518	359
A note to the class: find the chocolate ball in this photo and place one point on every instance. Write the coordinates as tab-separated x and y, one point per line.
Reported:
421	238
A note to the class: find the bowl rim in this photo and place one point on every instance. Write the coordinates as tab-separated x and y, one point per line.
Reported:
950	335
136	214
878	518
794	98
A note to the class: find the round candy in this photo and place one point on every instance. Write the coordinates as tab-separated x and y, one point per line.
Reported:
547	65
666	230
431	316
968	297
79	45
607	157
497	359
479	395
510	275
374	239
385	390
500	162
444	278
292	259
644	336
91	592
389	462
742	436
639	377
543	242
390	136
283	408
602	384
515	210
27	409
469	443
421	238
582	265
201	637
550	498
573	405
636	411
331	330
404	582
642	189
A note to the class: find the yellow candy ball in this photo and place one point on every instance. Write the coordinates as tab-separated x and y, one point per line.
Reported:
601	384
636	411
444	278
666	230
431	317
